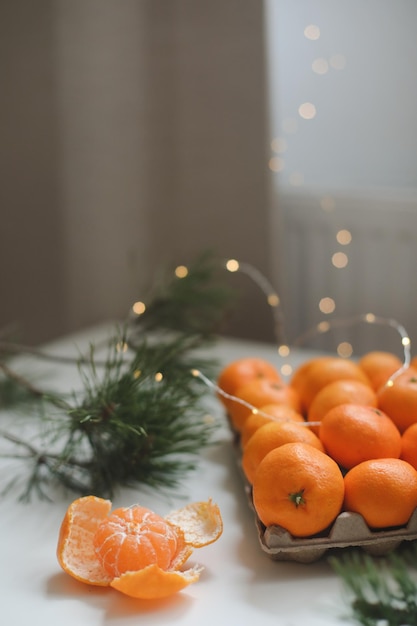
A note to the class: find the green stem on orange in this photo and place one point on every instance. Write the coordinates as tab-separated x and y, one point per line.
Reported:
297	497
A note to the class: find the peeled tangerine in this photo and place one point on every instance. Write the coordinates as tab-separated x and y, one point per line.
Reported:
133	549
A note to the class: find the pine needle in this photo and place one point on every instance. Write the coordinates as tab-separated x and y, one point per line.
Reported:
380	591
139	418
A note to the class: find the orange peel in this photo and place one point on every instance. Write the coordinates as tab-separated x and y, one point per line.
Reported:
133	549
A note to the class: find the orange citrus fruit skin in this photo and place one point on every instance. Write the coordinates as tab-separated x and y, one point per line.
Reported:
134	550
265	414
352	433
315	374
383	491
298	488
338	392
257	393
132	538
242	371
379	366
409	445
273	435
153	583
75	550
399	399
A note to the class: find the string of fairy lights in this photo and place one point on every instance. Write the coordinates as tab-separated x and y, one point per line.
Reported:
284	350
326	304
280	145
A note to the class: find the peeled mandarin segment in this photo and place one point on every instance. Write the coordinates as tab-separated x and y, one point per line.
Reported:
75	550
153	583
134	537
200	522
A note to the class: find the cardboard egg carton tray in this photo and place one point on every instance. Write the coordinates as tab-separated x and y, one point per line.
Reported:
347	531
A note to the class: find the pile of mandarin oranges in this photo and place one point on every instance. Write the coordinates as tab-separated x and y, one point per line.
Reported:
340	435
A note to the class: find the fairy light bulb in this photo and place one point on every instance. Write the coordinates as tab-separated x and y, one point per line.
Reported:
139	308
232	265
181	271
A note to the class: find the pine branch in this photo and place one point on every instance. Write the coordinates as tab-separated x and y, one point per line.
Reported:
194	304
380	590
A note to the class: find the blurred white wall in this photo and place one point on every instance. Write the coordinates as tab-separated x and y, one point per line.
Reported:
134	138
342	98
360	74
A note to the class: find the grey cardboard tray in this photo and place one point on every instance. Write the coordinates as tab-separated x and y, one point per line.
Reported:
347	531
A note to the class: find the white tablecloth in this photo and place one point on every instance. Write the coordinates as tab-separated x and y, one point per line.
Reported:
240	585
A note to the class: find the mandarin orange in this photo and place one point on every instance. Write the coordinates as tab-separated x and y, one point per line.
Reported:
352	433
134	550
242	371
322	371
299	488
398	399
338	392
273	435
132	538
409	445
383	491
257	393
264	415
379	366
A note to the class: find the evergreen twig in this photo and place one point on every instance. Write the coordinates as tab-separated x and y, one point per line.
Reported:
139	418
380	591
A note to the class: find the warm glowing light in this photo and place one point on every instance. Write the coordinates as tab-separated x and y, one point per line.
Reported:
340	260
406	341
283	350
195	372
158	377
296	179
232	265
279	145
344	349
307	111
286	370
276	164
273	299
327	305
122	346
323	327
312	32
344	237
290	125
320	66
327	203
370	318
338	61
138	308
137	374
181	271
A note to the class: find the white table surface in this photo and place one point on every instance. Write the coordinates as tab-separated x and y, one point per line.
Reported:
240	585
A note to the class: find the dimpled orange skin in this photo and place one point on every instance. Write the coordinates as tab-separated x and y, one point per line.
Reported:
340	392
273	435
353	433
257	393
264	415
379	366
242	371
409	445
315	374
399	400
298	488
383	491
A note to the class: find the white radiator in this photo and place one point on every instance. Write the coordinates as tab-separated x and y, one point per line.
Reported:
380	277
